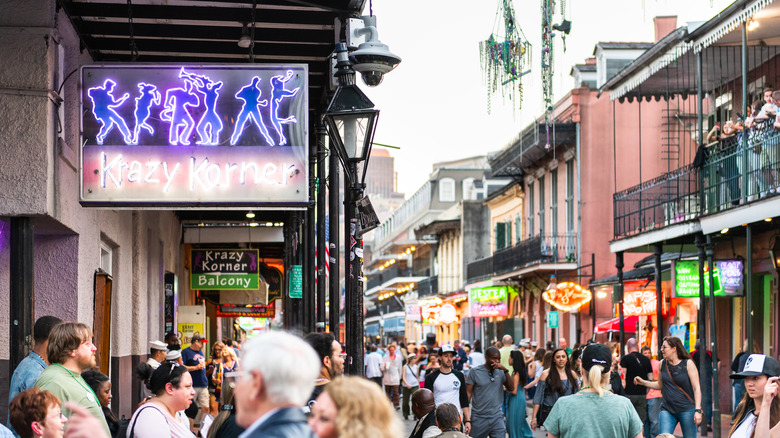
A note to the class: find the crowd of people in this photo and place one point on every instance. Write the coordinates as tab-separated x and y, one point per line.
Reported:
282	385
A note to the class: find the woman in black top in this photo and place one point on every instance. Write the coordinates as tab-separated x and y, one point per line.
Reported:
556	382
680	392
101	386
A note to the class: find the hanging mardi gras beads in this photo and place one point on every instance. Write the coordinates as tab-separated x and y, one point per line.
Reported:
504	58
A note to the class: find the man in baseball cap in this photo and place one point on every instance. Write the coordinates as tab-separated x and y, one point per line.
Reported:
195	361
449	385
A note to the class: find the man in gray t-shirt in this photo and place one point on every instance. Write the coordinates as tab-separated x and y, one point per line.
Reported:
485	387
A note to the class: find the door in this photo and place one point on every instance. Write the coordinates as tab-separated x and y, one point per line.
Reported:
102	320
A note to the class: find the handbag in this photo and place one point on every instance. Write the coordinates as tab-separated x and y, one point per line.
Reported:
666	364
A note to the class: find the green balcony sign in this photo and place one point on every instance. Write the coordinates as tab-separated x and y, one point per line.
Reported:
224	269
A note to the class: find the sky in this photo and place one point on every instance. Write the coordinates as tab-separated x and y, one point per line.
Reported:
434	105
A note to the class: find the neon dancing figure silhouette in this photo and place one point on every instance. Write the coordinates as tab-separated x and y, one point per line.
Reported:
176	102
251	109
210	92
278	92
103	104
143	108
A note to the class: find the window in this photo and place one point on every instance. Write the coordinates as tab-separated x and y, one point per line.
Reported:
106	256
500	232
541	206
508	236
570	197
530	210
518	228
554	201
447	190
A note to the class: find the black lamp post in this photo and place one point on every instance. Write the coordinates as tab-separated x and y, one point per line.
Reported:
351	121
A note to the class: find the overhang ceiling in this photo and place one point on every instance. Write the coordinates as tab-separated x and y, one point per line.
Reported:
207	31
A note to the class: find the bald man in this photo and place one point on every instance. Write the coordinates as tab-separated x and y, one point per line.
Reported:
635	364
423	407
506	348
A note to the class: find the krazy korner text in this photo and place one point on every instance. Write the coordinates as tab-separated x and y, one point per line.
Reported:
200	173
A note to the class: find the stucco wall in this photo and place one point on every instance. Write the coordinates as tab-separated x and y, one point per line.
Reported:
39	179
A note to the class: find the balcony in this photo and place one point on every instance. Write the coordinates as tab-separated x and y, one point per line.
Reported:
428	287
534	251
727	178
388	274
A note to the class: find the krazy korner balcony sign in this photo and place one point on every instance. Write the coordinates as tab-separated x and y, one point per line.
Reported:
489	301
224	269
196	135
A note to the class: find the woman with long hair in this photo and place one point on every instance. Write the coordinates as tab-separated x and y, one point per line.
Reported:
224	425
556	382
680	392
758	413
171	385
594	411
227	364
352	407
535	370
516	424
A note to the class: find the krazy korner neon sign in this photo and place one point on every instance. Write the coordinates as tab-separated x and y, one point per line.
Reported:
196	95
200	173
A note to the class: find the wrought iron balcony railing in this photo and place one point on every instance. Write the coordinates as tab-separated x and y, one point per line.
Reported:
428	287
535	250
386	275
727	178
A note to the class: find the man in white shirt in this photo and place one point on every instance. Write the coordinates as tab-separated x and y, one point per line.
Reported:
449	385
374	366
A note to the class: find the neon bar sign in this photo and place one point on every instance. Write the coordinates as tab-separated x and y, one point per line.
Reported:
489	301
727	276
194	135
639	303
567	296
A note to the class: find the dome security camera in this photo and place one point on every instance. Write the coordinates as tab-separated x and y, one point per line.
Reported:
372	58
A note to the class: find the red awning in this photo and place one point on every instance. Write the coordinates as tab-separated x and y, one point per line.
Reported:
613	325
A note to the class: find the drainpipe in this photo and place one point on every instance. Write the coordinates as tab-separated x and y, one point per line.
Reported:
749	288
713	340
701	328
22	298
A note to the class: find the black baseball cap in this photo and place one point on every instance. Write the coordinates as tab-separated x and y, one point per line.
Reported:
758	364
596	354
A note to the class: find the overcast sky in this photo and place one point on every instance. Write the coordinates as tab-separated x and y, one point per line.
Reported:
434	104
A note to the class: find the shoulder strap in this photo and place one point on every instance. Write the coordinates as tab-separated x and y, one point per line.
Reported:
132	427
670	378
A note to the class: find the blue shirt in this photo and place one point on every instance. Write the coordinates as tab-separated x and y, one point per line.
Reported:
24	377
5	433
192	358
458	364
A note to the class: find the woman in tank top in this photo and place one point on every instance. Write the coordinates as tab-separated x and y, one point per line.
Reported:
535	369
680	392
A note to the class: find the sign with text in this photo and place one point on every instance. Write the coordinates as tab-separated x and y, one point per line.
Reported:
639	303
489	301
252	311
727	277
296	281
412	312
567	296
194	135
552	319
224	269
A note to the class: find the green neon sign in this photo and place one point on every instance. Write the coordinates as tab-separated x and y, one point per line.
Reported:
686	280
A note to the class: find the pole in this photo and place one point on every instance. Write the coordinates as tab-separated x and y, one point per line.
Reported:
701	326
21	289
659	295
309	243
592	300
700	126
354	250
333	212
321	287
619	300
749	288
348	308
745	104
714	343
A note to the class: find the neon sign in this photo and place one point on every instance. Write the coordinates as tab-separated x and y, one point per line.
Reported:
489	301
639	303
727	276
567	296
194	135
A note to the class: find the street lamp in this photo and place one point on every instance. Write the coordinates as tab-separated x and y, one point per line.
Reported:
351	120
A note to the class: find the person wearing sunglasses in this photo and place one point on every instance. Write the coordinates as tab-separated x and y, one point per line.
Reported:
485	387
171	385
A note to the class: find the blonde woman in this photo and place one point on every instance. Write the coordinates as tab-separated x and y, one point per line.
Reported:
573	416
227	364
352	407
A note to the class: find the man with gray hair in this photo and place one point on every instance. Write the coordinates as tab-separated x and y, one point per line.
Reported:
277	375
